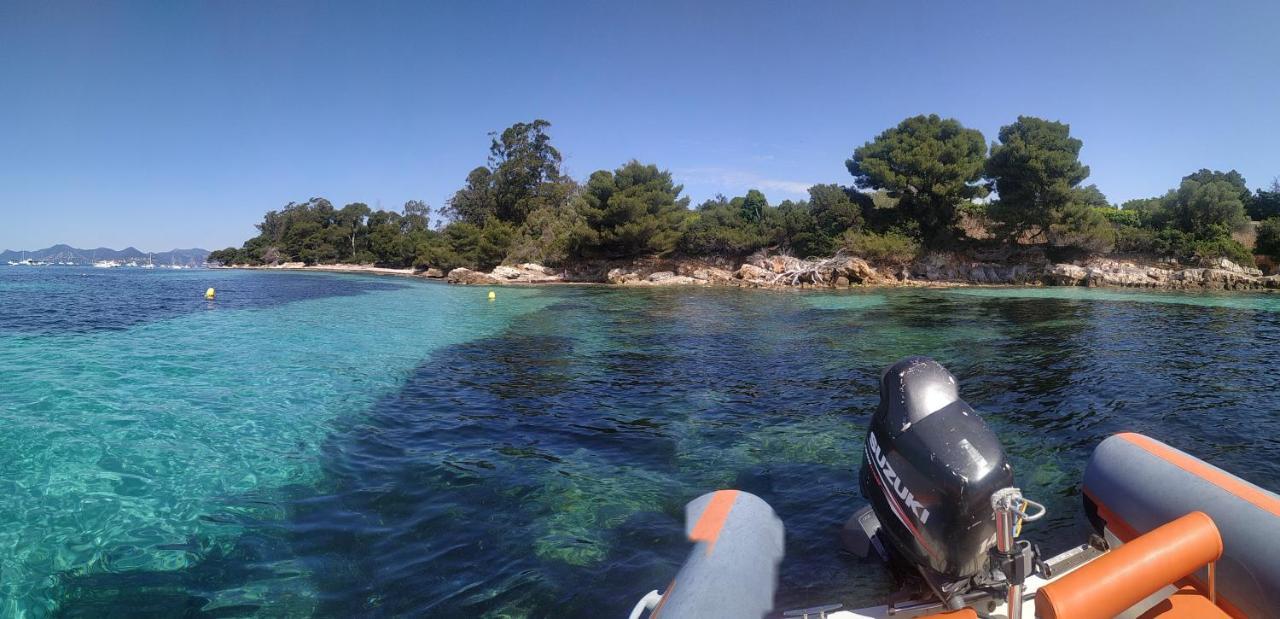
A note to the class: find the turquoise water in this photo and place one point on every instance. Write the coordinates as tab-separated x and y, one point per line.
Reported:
124	447
334	445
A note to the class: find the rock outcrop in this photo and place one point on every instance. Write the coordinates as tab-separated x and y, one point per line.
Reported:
624	277
620	276
463	275
1219	274
711	275
668	273
1065	275
527	273
934	269
952	267
750	272
857	271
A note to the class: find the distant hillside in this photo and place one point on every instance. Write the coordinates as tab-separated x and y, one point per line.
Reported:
66	253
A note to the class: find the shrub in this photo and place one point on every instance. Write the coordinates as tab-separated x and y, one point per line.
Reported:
890	247
718	228
1266	204
1207	205
1082	227
225	257
546	236
976	210
1223	248
1181	245
463	244
631	211
1268	242
1121	217
434	251
1135	240
794	225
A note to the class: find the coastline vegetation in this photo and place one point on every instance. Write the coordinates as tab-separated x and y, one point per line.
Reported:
926	184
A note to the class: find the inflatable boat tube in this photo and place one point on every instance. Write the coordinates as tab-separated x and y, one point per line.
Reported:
733	568
1134	484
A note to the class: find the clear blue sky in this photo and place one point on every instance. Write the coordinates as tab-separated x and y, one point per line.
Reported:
177	124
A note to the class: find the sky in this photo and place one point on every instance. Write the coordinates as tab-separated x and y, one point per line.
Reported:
178	124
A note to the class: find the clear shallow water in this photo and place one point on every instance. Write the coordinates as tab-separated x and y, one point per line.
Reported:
313	445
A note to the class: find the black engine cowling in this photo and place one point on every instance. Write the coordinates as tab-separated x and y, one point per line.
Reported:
929	469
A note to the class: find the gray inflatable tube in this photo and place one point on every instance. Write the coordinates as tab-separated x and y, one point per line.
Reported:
1134	484
733	568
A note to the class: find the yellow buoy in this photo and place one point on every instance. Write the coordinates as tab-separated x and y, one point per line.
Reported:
208	294
492	295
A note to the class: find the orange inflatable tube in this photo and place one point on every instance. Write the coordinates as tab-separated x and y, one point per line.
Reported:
1112	583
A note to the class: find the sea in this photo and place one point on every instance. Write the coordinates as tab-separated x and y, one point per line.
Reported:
334	445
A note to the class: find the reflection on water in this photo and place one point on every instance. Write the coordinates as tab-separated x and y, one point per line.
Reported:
539	466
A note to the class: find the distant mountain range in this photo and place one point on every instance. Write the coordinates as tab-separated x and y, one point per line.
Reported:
67	253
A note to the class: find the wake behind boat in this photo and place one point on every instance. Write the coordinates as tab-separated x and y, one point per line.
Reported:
1173	535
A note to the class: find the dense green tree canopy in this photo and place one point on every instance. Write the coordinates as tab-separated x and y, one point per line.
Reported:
747	223
792	226
476	201
754	205
815	227
526	170
1268	242
1144	209
314	232
546	236
351	219
521	207
1266	203
1036	172
523	175
636	209
1091	196
834	210
719	228
1196	220
930	164
394	237
1034	169
228	256
417	216
1231	177
1081	226
1207	204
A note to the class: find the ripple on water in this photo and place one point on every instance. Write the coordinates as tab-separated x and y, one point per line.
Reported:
418	451
124	448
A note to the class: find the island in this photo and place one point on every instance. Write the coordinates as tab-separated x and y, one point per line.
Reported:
930	203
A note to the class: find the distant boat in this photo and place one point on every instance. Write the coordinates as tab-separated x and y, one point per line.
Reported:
103	264
25	262
149	264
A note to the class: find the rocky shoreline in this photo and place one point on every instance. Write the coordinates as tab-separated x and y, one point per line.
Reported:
934	270
785	272
365	269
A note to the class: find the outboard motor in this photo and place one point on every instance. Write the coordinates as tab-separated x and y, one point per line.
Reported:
930	470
